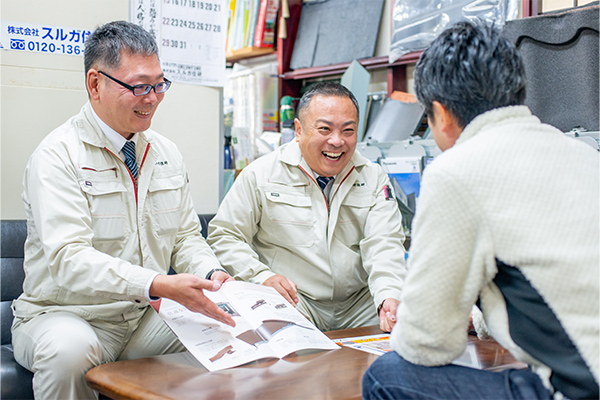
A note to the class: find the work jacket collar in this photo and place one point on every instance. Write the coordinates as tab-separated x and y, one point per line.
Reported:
492	118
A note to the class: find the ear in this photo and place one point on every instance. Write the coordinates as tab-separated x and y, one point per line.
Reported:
92	82
297	128
447	123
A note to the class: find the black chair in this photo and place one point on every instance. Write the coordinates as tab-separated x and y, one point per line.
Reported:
16	381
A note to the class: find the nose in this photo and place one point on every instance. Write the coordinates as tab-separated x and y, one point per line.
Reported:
336	139
151	97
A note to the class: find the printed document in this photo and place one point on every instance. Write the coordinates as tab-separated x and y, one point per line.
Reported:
380	344
267	326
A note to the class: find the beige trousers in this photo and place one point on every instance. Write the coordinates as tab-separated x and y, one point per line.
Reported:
332	315
60	347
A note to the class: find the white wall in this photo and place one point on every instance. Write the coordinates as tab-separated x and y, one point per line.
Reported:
38	92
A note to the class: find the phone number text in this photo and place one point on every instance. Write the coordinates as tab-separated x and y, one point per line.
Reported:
43	47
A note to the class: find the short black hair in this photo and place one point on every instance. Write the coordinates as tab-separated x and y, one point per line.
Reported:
326	89
470	68
105	44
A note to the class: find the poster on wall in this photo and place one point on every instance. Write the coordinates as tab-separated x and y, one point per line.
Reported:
190	35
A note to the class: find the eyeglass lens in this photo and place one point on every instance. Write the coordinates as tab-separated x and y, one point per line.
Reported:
142	90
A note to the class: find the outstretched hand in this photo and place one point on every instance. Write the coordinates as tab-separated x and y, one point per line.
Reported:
186	289
284	286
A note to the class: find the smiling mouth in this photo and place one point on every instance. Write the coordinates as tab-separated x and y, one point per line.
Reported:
332	156
143	113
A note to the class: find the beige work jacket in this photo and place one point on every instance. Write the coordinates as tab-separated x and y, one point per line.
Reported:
95	238
276	220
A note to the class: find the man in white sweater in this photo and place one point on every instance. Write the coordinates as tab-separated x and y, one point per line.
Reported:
507	219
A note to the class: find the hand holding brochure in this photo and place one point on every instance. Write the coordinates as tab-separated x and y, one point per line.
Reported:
267	326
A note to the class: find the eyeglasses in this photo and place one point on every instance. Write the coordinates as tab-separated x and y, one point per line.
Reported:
142	89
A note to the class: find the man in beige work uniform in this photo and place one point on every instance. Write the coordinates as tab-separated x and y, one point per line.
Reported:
335	252
105	222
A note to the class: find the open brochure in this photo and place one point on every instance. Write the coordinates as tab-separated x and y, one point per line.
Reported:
380	344
267	326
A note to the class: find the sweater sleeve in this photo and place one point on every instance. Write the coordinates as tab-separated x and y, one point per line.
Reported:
446	270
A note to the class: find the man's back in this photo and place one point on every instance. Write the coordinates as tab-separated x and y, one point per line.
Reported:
521	201
531	182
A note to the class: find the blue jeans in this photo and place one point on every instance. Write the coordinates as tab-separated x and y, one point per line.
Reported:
392	377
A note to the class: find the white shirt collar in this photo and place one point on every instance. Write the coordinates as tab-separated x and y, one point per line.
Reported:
315	175
327	189
115	138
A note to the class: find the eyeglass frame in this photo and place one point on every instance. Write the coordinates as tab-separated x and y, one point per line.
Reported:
148	86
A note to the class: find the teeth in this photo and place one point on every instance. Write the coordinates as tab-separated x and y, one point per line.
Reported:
332	155
142	113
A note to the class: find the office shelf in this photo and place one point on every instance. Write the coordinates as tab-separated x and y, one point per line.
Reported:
247	52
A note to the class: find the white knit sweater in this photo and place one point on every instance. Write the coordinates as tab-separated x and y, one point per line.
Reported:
515	190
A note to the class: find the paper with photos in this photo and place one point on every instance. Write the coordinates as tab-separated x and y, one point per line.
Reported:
267	326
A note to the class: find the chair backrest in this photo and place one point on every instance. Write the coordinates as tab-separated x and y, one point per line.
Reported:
204	220
13	234
560	53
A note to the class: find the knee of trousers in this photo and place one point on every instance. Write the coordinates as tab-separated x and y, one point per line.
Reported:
67	352
386	368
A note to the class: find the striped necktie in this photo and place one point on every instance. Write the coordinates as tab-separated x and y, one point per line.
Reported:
129	151
323	181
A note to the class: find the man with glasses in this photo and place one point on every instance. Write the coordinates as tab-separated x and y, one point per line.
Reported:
108	211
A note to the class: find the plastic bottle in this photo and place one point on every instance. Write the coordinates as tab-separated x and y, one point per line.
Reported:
228	159
286	110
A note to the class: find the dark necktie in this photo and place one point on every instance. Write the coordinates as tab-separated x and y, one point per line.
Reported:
323	181
129	151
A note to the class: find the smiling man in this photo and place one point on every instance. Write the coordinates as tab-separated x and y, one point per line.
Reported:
317	221
108	211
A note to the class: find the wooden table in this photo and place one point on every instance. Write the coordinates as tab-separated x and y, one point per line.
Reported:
334	374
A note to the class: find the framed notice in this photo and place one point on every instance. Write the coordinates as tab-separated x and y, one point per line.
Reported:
191	37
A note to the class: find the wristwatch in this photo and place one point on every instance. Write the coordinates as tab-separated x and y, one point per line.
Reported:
212	271
379	308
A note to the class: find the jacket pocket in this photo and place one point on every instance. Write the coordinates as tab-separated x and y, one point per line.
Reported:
353	217
164	197
106	200
290	220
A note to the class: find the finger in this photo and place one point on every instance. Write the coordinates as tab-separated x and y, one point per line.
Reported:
220	277
391	316
393	307
210	285
210	309
290	286
383	325
391	323
386	325
291	283
282	290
